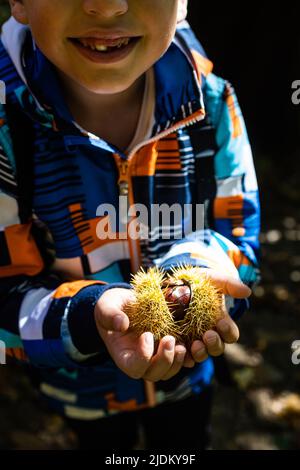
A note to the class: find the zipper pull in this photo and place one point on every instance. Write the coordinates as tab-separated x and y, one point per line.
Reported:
123	178
123	184
123	188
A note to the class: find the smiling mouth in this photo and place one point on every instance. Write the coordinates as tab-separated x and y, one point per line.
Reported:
105	46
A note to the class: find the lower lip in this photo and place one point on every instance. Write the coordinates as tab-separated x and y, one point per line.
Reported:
105	57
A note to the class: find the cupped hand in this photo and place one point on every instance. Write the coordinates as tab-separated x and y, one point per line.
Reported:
134	354
213	341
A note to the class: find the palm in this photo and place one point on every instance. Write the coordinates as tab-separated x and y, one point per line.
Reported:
125	348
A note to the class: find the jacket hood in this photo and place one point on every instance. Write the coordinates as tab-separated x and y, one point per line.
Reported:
182	10
13	37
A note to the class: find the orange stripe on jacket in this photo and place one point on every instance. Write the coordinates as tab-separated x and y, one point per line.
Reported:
17	353
229	208
144	161
168	167
23	251
169	159
238	258
129	405
88	235
154	157
168	144
203	65
168	154
70	289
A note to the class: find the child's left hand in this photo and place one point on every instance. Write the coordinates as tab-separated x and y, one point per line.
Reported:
213	342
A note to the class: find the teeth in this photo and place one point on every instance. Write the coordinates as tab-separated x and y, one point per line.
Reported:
102	47
83	41
124	42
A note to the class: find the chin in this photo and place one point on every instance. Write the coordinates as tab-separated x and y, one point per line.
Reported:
105	87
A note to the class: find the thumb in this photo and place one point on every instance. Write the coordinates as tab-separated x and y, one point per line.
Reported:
108	310
229	285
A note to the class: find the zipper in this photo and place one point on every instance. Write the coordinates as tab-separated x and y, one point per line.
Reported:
124	164
125	190
124	181
126	200
124	174
181	125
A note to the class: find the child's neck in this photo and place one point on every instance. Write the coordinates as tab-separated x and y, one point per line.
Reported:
97	113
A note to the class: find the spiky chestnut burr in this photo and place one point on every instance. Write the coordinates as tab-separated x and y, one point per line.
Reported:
150	311
183	303
205	305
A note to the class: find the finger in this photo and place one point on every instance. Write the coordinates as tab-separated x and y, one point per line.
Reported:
180	352
162	361
108	311
188	361
136	362
214	345
228	330
199	351
112	319
229	285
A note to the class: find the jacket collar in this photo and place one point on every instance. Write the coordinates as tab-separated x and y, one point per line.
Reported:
178	88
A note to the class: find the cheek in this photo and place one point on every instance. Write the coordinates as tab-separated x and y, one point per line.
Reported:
47	30
162	33
43	37
156	44
51	43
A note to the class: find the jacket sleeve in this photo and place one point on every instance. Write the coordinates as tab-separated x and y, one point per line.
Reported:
230	243
43	320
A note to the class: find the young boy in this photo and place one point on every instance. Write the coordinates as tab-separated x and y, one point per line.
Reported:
109	98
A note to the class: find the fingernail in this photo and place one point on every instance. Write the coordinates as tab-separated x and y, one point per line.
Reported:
211	338
170	344
199	355
180	356
149	338
180	353
223	326
118	322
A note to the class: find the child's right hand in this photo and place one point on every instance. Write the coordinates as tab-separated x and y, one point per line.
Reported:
135	355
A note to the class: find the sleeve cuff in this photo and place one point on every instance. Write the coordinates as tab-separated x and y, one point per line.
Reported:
81	325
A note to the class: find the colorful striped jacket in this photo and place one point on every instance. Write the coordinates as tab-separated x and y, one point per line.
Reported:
54	267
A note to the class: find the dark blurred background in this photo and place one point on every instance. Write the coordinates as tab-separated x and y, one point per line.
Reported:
258	50
257	398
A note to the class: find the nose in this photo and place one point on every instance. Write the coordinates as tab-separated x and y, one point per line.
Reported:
106	8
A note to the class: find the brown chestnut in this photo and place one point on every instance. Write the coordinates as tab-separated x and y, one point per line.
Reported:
178	298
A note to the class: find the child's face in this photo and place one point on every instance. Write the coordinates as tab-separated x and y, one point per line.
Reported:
68	31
